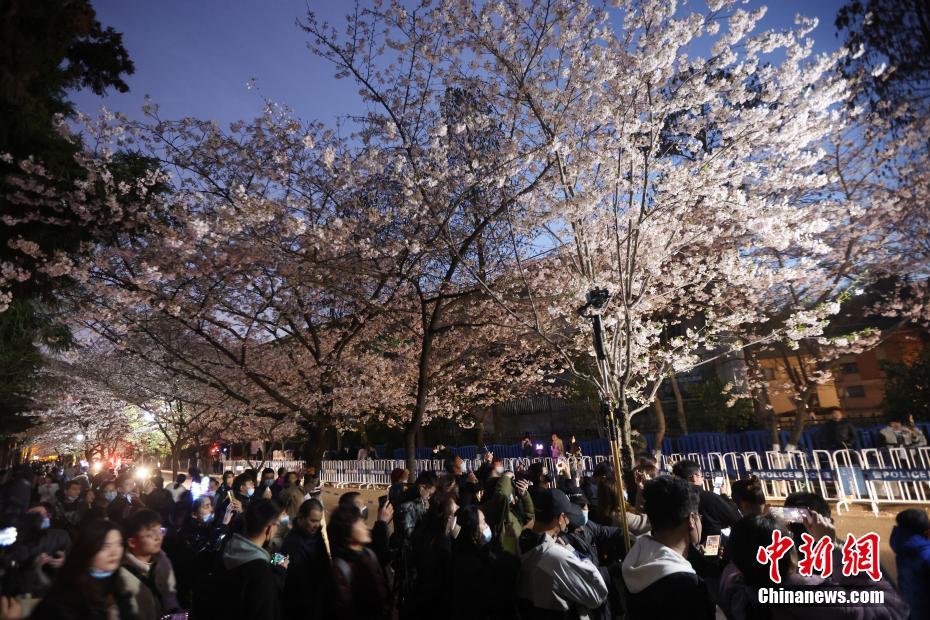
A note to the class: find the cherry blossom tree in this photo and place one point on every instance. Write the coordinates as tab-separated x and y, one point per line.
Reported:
668	180
81	414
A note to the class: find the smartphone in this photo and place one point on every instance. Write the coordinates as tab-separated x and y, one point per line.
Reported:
8	536
382	501
277	559
230	495
712	545
791	515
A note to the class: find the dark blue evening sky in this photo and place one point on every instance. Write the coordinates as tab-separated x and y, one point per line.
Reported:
195	57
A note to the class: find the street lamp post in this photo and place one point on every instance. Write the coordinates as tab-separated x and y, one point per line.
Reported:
595	301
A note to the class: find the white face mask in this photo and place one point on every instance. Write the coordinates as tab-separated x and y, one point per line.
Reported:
499	470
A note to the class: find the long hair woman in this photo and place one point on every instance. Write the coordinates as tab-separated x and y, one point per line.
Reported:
360	589
89	585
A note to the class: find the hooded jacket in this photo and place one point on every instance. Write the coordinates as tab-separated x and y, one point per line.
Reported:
663	584
252	586
553	578
912	557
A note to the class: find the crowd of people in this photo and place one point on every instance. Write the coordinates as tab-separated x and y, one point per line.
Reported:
461	543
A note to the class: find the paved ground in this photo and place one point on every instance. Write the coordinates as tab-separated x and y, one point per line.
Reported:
858	520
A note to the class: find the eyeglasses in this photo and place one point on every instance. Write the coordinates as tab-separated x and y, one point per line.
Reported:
155	534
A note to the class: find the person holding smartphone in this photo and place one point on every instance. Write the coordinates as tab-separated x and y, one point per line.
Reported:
251	584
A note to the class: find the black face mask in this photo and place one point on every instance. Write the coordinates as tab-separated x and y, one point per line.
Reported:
575	522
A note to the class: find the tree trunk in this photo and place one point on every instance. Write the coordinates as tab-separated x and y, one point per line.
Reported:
660	424
801	413
419	409
776	433
679	403
175	461
626	437
315	457
410	450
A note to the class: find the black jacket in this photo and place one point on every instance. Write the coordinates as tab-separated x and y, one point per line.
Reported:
191	551
307	574
483	582
717	512
837	435
679	595
249	586
432	551
604	546
359	588
119	509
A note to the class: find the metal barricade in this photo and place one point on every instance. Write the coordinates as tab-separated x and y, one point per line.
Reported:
870	476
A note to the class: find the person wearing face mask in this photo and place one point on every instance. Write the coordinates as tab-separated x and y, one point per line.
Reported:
104	495
603	545
267	488
483	580
252	586
308	566
228	510
126	500
192	549
70	507
660	581
89	586
555	582
46	489
39	551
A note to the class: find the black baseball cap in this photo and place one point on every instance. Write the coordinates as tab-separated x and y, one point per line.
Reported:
551	503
